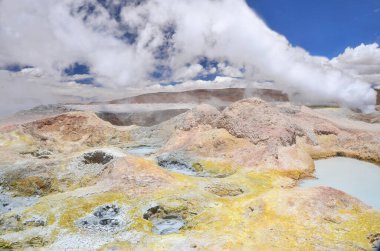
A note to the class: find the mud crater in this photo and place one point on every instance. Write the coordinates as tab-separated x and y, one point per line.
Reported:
10	203
106	218
189	168
180	167
374	240
96	157
163	221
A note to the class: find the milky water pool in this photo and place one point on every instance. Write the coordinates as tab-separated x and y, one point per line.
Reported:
358	178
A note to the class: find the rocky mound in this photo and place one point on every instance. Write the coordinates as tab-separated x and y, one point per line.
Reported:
75	127
259	122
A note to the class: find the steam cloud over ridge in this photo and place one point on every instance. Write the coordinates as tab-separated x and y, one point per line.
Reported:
137	42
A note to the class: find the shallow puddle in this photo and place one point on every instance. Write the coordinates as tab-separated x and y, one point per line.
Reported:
357	178
167	225
164	222
142	150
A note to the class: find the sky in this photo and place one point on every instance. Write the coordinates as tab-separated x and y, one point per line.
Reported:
323	27
89	49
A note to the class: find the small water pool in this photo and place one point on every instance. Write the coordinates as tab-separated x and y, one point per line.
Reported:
358	178
167	225
143	150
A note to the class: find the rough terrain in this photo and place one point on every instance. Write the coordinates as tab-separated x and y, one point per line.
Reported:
203	180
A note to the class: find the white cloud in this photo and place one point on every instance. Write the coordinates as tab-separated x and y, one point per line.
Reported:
23	90
32	87
362	62
53	34
228	70
188	72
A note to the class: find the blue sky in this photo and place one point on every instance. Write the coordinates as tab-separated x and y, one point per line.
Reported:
323	27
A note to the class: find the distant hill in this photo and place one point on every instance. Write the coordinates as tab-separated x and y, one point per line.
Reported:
216	97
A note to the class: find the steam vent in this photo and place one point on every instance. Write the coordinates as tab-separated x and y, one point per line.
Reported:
157	125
